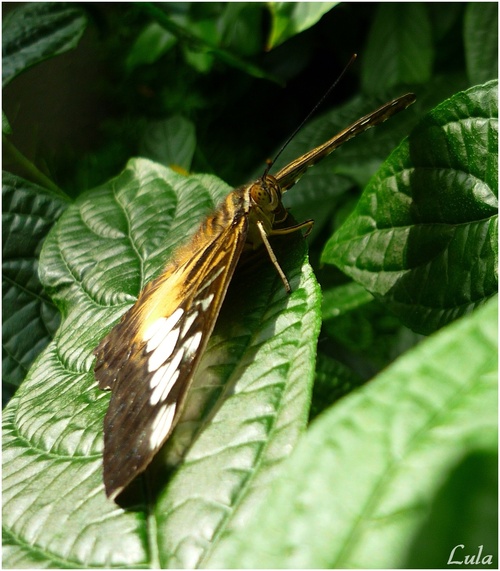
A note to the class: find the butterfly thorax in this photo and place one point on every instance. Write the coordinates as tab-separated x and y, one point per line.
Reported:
265	207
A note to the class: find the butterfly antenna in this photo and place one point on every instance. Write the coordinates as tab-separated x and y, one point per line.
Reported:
308	116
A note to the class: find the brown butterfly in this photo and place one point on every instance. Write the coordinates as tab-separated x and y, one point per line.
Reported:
149	358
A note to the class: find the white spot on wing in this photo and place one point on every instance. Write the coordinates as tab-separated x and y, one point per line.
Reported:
171	383
164	378
188	322
161	424
160	328
205	302
154	328
163	351
192	344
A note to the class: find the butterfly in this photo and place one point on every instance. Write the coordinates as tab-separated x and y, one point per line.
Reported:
149	358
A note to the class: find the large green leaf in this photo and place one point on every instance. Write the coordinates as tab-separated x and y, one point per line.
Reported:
423	237
29	317
363	480
37	31
248	406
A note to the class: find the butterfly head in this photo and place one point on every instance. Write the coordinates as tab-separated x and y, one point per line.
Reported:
265	193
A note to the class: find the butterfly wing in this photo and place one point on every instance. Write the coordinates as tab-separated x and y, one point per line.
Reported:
292	172
149	358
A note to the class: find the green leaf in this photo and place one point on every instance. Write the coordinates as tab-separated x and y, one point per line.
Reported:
423	237
29	317
149	46
344	298
465	507
333	380
361	481
248	406
201	46
481	41
291	18
37	31
403	56
241	27
171	142
6	128
370	337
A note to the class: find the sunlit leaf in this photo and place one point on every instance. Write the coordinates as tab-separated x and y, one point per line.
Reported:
363	479
248	407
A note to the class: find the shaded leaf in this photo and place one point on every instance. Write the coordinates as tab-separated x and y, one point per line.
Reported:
170	142
423	237
361	481
248	406
6	128
333	380
370	336
465	507
199	45
342	299
481	41
402	57
29	316
241	27
149	46
37	31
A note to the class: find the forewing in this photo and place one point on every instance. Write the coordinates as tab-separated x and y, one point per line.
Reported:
149	358
292	172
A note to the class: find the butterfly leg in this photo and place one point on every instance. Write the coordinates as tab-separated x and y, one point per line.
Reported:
272	256
308	224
